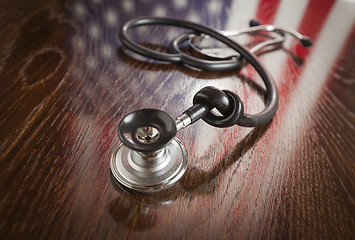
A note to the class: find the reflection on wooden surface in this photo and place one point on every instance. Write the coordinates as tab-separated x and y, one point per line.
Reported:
66	81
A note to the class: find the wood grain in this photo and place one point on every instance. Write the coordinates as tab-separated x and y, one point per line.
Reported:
66	82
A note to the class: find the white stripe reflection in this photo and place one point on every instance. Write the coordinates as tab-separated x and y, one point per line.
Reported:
319	64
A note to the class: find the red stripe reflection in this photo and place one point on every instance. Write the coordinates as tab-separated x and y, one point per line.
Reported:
267	10
311	24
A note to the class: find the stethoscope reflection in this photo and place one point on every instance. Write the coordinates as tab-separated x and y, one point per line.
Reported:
138	210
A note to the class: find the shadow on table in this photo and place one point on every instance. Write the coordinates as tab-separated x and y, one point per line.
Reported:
136	210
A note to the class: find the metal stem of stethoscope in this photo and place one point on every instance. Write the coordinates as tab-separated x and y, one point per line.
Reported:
270	28
255	27
230	33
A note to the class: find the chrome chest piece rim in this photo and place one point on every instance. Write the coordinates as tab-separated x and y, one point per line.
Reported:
149	172
150	157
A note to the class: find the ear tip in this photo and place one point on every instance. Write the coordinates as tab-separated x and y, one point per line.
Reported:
306	41
254	23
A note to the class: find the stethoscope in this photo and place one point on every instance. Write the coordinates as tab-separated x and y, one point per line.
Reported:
150	157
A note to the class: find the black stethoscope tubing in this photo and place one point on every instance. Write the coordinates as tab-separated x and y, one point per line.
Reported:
247	120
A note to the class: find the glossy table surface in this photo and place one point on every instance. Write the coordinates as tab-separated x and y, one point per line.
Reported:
66	81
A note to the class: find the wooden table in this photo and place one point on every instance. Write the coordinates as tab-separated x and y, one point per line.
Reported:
66	82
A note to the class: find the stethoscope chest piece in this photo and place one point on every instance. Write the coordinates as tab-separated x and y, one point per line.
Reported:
150	157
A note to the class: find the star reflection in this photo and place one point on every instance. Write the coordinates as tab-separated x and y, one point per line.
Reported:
128	6
179	4
91	62
193	16
78	43
159	11
106	50
80	9
214	7
111	17
94	30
